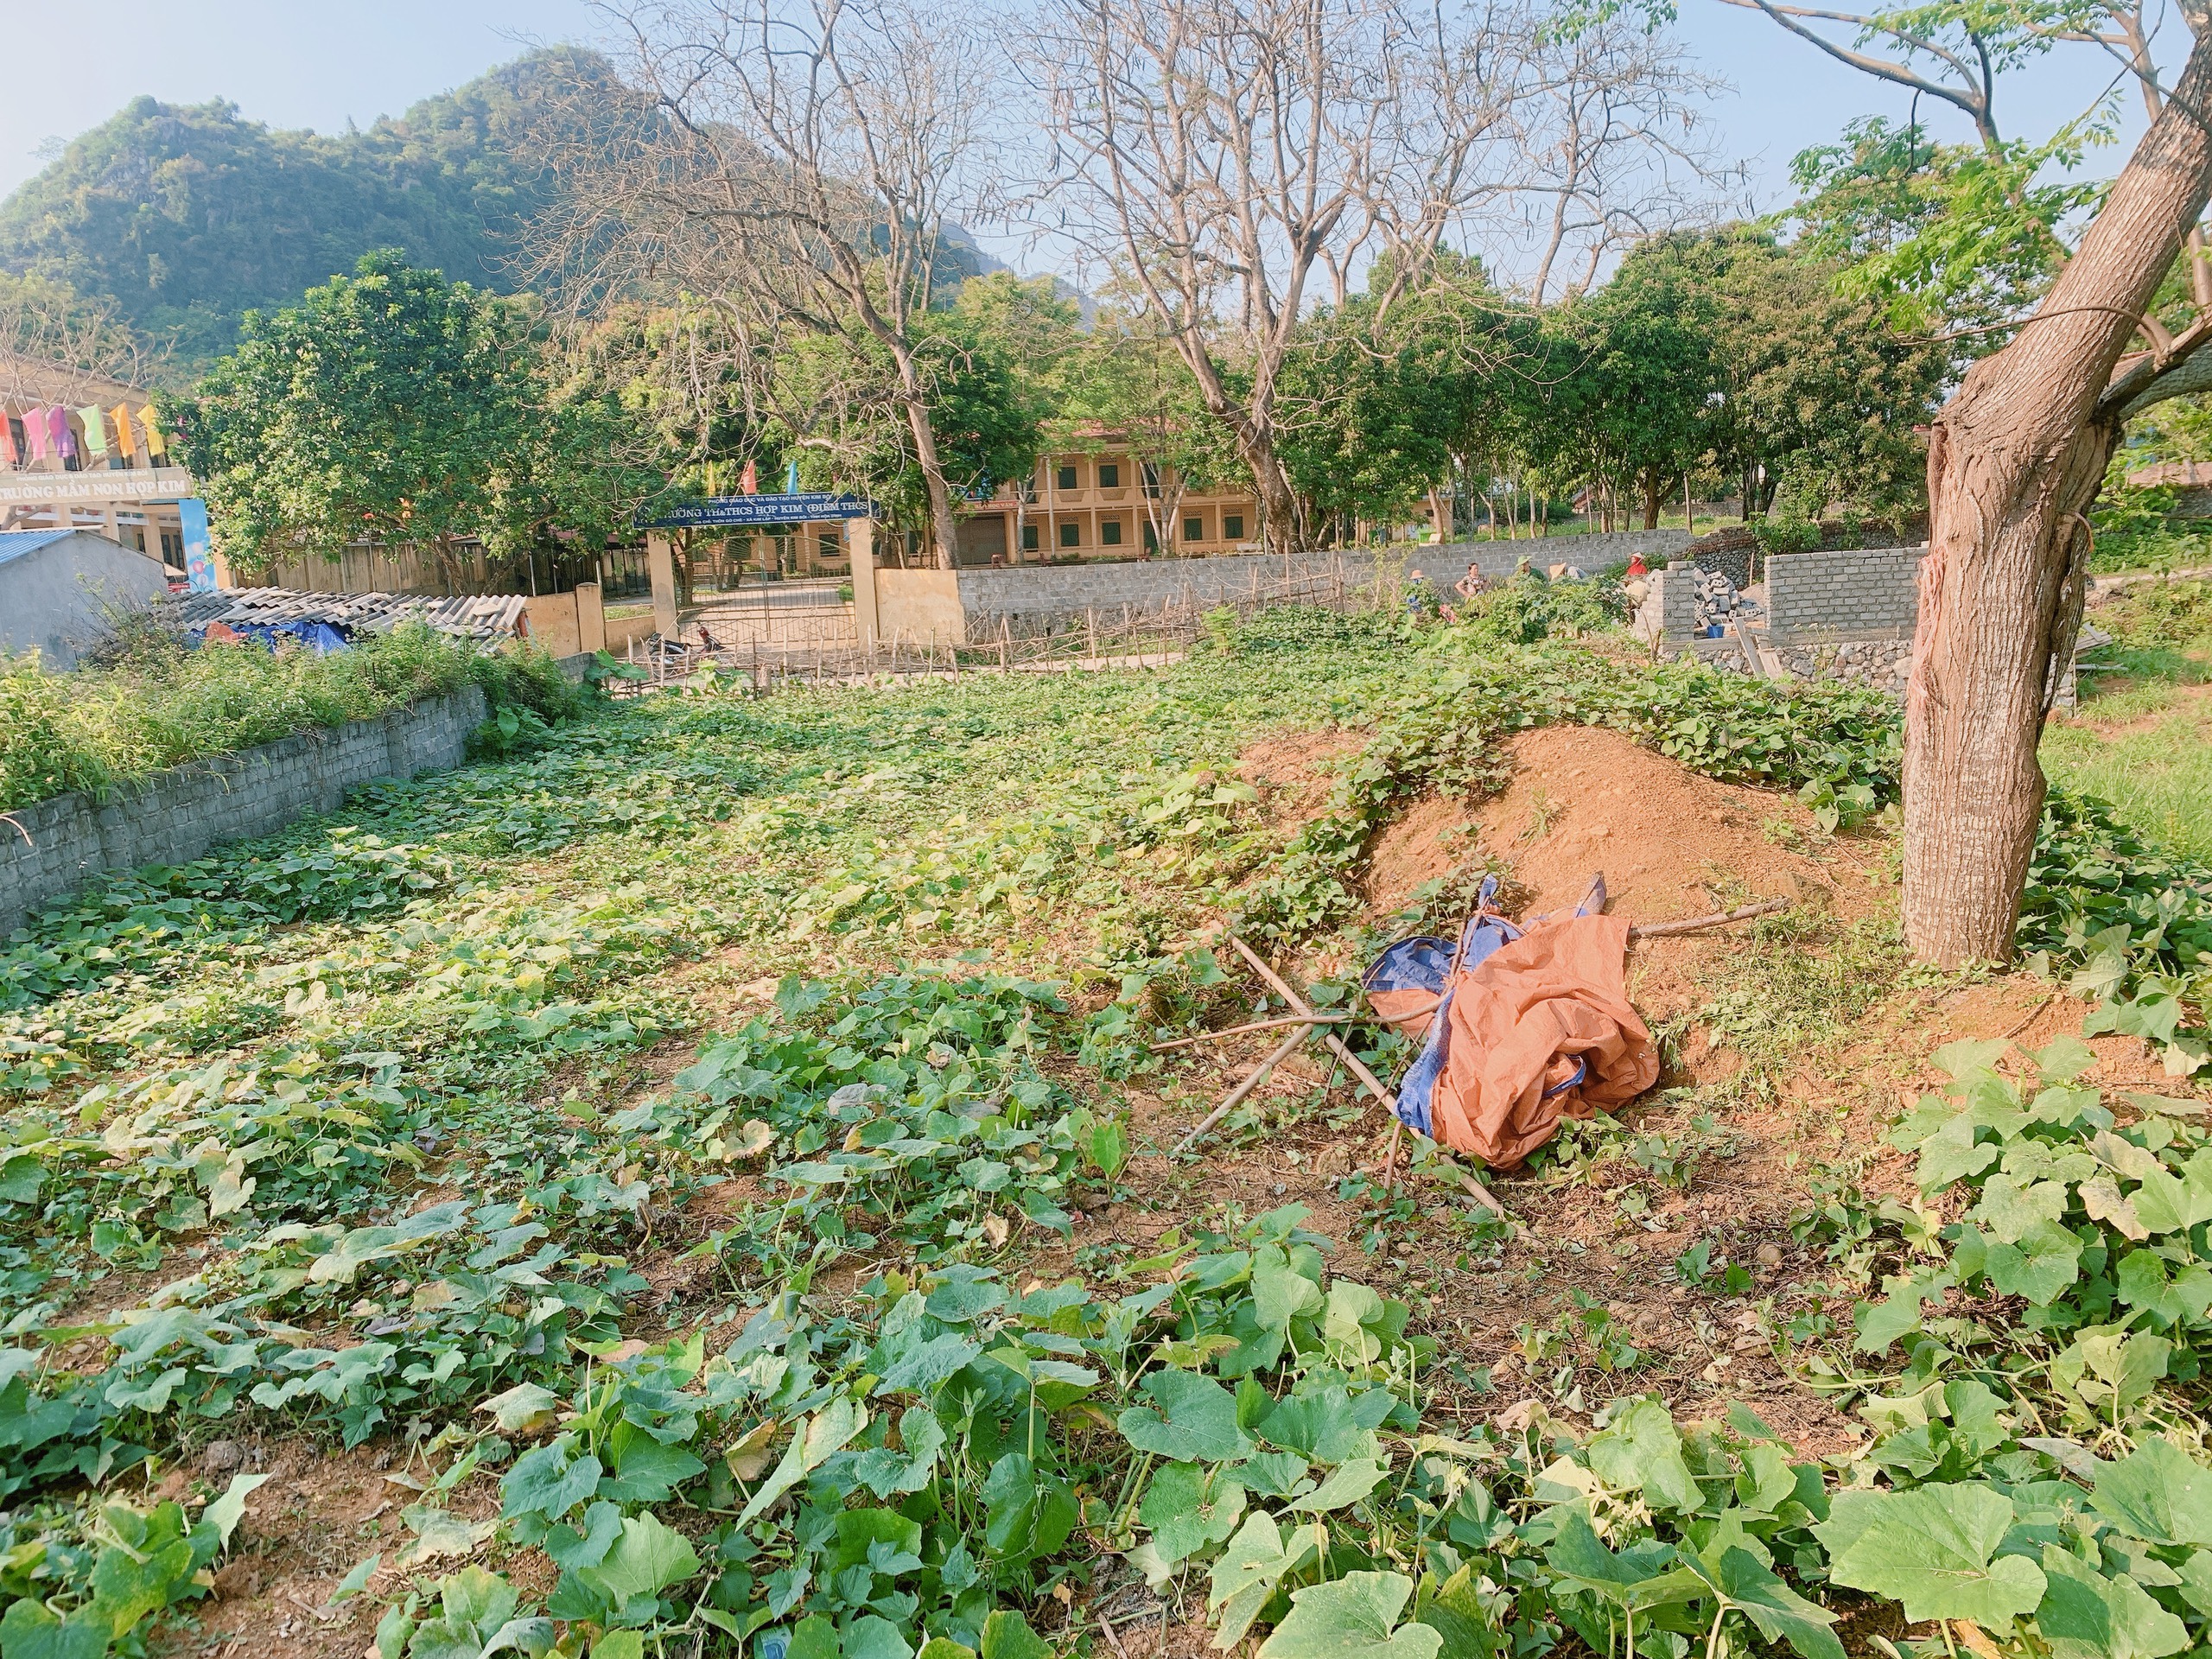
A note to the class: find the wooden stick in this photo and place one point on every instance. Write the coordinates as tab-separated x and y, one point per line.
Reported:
1257	1025
1482	1193
1297	1005
1699	924
1258	1075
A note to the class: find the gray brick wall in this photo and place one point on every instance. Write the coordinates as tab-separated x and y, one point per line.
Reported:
1035	597
1677	589
1035	592
1861	594
51	848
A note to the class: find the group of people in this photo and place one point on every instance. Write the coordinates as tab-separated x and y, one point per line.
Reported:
1422	599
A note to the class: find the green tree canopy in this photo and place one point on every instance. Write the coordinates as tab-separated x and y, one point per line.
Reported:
395	405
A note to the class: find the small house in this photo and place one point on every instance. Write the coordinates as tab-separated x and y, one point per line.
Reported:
61	588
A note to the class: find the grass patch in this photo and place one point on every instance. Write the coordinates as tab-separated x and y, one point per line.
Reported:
162	705
2158	775
2140	738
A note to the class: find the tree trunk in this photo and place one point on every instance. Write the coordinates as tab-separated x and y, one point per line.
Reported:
1282	524
1652	485
944	528
2014	460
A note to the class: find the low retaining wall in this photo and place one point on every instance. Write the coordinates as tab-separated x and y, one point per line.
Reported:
931	607
1882	663
173	816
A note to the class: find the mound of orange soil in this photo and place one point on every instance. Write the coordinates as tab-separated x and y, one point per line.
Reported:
1672	844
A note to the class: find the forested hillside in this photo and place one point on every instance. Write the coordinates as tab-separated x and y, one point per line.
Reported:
186	216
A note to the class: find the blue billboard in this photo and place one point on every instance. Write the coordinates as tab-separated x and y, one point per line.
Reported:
803	508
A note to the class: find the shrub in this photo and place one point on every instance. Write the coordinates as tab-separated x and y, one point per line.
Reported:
95	728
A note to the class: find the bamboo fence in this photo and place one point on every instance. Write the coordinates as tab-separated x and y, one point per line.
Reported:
1097	638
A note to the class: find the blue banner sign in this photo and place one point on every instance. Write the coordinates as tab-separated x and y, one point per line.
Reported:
199	553
805	508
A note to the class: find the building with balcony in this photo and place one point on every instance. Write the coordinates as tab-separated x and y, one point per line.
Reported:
1104	501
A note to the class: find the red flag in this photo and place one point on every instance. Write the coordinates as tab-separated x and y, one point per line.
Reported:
750	484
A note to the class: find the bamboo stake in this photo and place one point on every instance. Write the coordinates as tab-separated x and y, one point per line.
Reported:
1257	1076
1256	1025
1482	1194
1699	924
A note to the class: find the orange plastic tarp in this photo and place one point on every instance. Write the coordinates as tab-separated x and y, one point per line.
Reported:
1522	1020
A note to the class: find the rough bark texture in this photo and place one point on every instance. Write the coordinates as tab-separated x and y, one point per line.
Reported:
2014	461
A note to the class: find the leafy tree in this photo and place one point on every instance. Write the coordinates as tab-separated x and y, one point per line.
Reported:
1031	328
392	405
1367	431
1127	384
1647	372
840	411
1947	235
1724	349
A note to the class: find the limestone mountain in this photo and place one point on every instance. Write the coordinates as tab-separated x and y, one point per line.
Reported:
182	216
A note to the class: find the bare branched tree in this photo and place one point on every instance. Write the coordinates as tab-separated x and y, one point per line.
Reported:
1239	161
797	169
57	346
1618	151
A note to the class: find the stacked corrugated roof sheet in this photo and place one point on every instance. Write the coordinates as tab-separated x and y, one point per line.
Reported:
487	616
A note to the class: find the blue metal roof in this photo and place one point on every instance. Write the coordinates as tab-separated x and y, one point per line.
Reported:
14	544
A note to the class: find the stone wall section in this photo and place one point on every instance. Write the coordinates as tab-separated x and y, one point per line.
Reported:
50	848
1882	664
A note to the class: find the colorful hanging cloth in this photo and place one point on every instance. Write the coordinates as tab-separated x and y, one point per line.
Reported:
35	435
8	450
121	416
95	420
60	439
149	423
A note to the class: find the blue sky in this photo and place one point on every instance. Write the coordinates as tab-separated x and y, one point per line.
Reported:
314	63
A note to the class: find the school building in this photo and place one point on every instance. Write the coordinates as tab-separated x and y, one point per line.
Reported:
1105	501
81	451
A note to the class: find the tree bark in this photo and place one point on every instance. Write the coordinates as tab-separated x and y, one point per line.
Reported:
944	528
2014	461
1283	524
1653	484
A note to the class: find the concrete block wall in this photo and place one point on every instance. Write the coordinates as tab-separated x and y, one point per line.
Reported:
1147	584
1855	593
1041	598
1677	589
49	850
